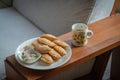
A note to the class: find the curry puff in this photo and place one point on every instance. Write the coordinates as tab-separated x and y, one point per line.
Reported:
61	43
49	37
41	48
50	47
60	50
55	55
47	59
46	42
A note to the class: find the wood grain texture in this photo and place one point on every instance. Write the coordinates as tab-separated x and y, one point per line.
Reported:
106	37
115	6
12	74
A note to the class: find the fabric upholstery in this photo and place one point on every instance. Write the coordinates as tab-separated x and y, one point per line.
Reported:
14	29
55	16
101	10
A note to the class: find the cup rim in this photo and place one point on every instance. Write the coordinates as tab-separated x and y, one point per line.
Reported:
75	25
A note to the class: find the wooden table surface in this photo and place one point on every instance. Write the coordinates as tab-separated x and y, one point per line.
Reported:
106	37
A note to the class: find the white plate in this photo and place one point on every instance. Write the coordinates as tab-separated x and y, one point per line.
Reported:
40	65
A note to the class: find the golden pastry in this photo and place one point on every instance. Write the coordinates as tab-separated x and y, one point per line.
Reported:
27	47
55	55
60	50
49	37
46	42
41	48
47	59
61	43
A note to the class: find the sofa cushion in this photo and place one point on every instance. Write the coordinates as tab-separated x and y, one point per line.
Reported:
14	29
99	12
55	16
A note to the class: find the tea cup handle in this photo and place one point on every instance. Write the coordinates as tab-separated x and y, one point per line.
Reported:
89	33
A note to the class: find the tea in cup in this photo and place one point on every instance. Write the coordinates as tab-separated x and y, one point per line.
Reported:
80	34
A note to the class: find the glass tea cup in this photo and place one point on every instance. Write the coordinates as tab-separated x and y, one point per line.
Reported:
80	34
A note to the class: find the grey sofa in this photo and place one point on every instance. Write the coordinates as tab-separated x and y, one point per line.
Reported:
27	19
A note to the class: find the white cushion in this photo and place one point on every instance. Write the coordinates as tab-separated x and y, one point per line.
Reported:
101	10
14	29
56	16
75	72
